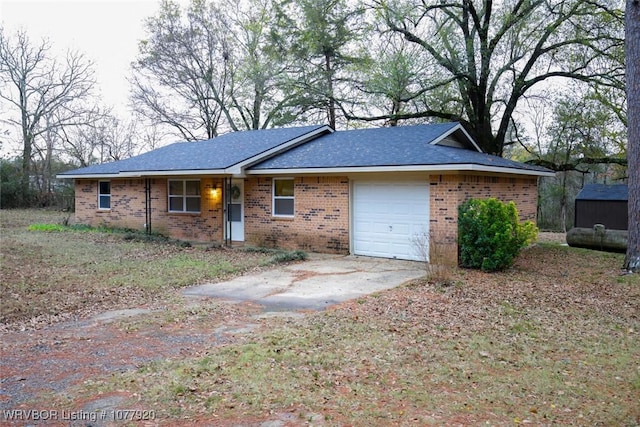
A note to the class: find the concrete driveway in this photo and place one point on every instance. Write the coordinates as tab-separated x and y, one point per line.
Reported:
319	282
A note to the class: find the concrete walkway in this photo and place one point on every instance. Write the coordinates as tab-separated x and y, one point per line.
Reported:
319	282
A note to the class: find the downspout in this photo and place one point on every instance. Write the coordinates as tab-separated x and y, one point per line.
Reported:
222	218
147	205
225	232
228	215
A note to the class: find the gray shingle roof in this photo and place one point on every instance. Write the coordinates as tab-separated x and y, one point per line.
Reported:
403	146
213	154
604	192
394	146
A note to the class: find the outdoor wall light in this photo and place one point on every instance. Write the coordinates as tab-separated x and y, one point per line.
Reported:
216	193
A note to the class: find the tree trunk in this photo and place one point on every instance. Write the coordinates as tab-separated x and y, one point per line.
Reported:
563	203
25	181
47	188
27	144
632	48
331	107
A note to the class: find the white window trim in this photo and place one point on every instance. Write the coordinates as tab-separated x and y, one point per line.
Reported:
183	196
100	195
274	198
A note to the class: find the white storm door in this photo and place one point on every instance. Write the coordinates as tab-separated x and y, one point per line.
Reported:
388	217
235	211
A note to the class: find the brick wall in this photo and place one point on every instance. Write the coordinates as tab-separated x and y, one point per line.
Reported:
128	209
447	192
127	204
320	222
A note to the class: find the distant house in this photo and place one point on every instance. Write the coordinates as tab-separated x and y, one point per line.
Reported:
602	204
365	192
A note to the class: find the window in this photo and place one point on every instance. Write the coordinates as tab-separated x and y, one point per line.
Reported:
283	197
104	195
184	195
235	212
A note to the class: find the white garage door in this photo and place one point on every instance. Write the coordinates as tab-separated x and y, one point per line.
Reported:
387	217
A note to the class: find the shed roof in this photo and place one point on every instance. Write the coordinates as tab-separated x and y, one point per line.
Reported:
615	192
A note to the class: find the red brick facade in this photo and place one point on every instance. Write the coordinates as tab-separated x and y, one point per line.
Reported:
321	203
321	218
128	209
447	192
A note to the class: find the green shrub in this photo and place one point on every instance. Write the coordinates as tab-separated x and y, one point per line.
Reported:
279	255
128	234
489	234
259	249
287	256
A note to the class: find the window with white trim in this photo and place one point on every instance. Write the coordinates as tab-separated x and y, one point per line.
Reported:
104	195
283	197
184	195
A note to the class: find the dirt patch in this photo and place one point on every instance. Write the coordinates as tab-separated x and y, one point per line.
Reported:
552	237
38	363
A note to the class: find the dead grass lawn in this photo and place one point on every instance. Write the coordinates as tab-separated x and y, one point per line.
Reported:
552	341
52	276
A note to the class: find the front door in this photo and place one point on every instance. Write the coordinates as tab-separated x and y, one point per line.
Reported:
235	211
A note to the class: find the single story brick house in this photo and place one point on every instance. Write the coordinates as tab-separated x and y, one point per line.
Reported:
366	192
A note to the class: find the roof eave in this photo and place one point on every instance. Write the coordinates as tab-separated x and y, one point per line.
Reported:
467	167
145	174
87	176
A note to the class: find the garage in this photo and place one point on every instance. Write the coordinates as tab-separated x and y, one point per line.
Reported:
388	216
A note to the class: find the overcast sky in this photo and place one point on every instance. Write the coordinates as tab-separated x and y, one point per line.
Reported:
106	31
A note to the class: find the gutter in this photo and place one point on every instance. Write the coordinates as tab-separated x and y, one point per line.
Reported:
468	167
144	174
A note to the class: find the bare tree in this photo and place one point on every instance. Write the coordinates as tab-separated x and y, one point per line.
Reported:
209	68
391	80
108	138
183	69
488	56
80	145
632	48
45	95
118	139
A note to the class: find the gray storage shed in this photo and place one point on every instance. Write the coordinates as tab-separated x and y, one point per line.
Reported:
602	204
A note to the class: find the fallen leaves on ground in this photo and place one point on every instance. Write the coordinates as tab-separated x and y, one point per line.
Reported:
553	340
